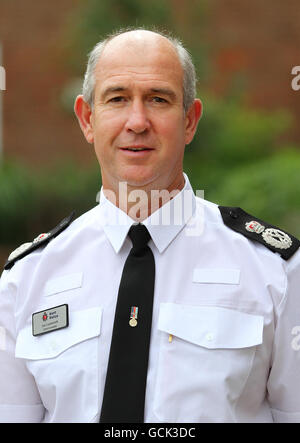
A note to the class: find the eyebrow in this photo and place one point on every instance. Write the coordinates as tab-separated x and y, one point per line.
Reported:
163	91
113	89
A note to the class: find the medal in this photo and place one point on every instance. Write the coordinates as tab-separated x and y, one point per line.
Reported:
133	316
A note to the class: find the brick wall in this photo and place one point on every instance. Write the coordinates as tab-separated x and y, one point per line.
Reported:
36	128
260	40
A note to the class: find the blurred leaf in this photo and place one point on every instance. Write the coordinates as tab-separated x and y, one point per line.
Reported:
231	133
35	202
268	188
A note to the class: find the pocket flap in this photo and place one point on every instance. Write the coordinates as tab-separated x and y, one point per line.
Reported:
82	326
216	275
210	326
63	283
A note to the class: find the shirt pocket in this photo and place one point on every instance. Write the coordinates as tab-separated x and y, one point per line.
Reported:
205	357
64	364
63	283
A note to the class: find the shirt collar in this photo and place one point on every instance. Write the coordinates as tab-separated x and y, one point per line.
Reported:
163	225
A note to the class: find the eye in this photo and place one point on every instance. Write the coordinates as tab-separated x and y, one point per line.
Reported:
159	100
117	99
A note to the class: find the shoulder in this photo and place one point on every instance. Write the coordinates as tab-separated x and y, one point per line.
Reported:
39	241
235	222
68	227
260	231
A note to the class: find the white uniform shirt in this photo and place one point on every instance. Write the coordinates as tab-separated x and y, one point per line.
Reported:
225	335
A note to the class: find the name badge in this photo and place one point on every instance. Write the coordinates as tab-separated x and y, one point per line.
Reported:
50	320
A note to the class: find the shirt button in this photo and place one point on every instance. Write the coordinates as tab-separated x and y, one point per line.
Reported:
233	214
53	346
209	336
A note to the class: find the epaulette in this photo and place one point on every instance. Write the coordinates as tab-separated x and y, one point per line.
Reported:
268	235
41	240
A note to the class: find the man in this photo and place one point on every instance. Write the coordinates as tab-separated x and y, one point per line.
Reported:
221	287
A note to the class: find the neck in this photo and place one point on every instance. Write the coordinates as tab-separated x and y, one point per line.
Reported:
140	202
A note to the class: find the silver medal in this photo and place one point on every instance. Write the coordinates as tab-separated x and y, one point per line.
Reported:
277	238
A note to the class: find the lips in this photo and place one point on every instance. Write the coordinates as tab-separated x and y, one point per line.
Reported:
136	148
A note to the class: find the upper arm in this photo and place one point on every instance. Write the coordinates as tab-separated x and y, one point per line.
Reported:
19	397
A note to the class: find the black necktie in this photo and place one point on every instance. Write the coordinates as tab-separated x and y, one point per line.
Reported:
124	392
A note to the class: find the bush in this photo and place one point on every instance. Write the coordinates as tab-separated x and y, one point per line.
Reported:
269	189
238	159
33	202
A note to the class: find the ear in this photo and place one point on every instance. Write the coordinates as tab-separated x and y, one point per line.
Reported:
192	118
84	113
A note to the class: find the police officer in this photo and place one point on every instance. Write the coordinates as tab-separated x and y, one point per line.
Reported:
225	314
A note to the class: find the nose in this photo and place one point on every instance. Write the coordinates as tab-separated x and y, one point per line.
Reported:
137	120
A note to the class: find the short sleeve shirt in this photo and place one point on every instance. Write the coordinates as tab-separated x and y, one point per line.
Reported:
225	339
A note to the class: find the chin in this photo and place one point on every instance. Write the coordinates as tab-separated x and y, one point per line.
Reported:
137	183
138	179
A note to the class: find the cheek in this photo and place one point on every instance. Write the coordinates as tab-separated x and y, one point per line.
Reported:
172	132
105	134
107	125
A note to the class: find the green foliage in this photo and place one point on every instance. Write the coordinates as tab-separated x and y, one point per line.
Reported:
237	158
230	133
268	188
17	202
229	136
33	202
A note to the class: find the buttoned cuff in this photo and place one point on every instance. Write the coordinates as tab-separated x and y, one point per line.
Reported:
21	413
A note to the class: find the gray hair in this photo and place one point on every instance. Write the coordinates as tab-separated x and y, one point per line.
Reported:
189	73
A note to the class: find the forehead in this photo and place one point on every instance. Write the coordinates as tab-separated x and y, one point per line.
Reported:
139	59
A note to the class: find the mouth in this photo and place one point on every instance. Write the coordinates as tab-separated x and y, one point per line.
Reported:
139	148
